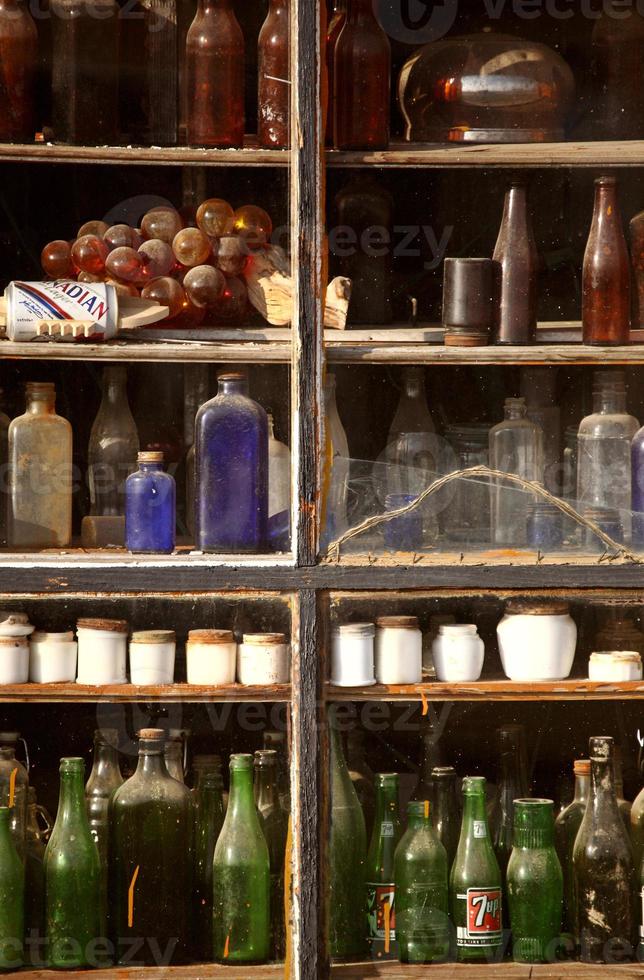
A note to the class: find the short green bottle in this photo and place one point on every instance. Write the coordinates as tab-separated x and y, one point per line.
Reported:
241	875
380	885
72	878
534	883
12	897
209	819
422	893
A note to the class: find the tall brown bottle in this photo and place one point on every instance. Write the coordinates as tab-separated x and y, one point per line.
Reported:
85	64
18	54
273	88
516	258
336	24
215	76
606	280
362	81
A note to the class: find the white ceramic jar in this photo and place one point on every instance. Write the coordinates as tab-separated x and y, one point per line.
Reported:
152	656
458	652
211	657
52	657
15	624
263	658
537	641
615	665
399	650
102	651
352	655
14	659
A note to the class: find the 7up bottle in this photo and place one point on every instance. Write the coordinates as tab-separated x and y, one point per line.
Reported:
475	883
381	890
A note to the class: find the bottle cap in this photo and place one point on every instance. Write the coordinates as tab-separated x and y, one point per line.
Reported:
443	772
157	733
265	758
397	622
601	748
241	760
521	607
211	636
72	764
264	639
388	779
581	767
474	785
106	625
150	456
153	636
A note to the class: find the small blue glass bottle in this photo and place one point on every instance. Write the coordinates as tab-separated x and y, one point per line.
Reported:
231	471
150	505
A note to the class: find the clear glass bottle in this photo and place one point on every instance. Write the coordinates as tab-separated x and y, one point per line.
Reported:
539	389
567	827
40	473
113	446
380	884
446	808
175	752
279	473
516	446
512	784
151	824
604	450
150	507
336	466
196	392
274	821
278	740
13	794
241	875
104	778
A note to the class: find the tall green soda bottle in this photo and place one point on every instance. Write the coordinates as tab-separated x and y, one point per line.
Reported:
209	819
12	897
380	884
72	877
534	884
422	891
476	897
241	875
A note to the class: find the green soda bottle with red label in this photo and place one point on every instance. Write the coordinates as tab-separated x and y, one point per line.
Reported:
381	889
475	883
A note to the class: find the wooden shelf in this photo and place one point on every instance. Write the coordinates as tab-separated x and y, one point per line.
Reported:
491	971
605	154
506	558
134	692
249	156
497	690
200	971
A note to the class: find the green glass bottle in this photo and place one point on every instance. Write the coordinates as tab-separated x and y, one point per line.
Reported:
12	897
380	884
476	899
567	827
347	851
209	819
104	779
274	821
446	809
534	884
34	878
422	892
72	878
603	866
151	827
241	875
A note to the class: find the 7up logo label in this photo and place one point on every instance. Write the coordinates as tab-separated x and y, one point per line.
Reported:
484	912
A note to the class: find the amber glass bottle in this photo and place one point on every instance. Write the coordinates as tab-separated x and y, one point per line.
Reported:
606	281
362	81
516	258
215	76
336	24
273	89
18	55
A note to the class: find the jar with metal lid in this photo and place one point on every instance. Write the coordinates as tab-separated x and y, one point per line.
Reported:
544	527
537	640
14	659
615	665
399	650
458	653
352	655
152	656
263	658
52	657
102	651
211	657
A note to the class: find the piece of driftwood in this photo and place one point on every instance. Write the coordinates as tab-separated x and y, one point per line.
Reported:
270	290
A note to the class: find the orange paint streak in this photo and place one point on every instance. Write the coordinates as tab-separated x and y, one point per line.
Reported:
387	909
130	898
425	705
227	946
12	787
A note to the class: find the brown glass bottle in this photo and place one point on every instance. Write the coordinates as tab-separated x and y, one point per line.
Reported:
85	44
18	54
215	76
273	88
606	282
336	24
636	236
362	81
516	258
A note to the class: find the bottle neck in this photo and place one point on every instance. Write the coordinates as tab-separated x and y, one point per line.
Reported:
511	773
266	785
582	788
358	10
241	798
72	796
513	412
602	784
474	811
105	759
229	386
606	201
417	821
37	405
609	401
386	806
515	208
114	388
152	762
150	467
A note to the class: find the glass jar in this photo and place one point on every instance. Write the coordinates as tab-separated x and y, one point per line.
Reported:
14	659
102	651
352	655
211	657
537	641
399	650
113	446
516	447
150	507
466	518
458	653
263	658
152	657
544	527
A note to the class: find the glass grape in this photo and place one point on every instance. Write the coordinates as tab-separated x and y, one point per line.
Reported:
56	259
204	285
254	225
161	260
119	236
93	227
166	292
231	254
163	223
126	264
215	217
89	254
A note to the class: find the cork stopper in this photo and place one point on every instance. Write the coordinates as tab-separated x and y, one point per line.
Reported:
150	456
106	625
397	622
522	607
152	733
581	767
264	639
211	636
153	636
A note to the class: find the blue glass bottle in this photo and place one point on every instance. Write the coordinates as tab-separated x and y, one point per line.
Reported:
150	496
231	470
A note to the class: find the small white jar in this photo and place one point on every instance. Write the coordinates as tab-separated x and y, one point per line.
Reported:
52	657
211	657
537	641
399	650
458	653
263	658
615	665
152	657
102	651
352	655
14	659
15	624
